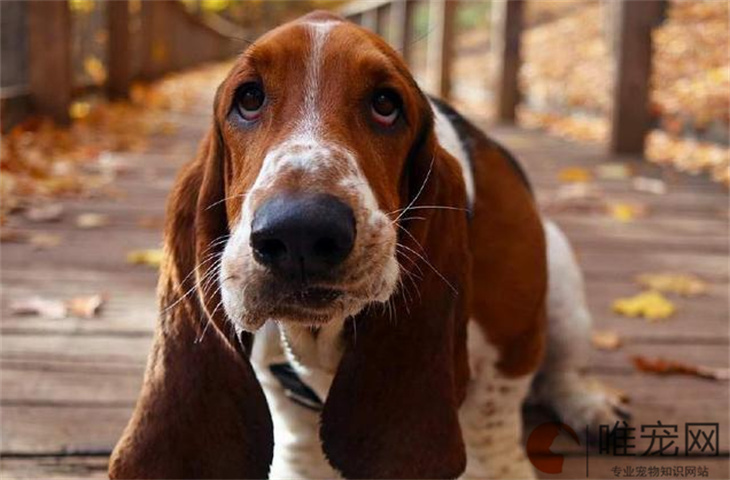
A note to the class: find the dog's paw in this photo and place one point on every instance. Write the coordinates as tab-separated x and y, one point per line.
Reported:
581	402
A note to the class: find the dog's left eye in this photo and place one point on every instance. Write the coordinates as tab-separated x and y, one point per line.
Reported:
249	101
386	107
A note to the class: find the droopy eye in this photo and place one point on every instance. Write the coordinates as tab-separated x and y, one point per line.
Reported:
386	107
249	101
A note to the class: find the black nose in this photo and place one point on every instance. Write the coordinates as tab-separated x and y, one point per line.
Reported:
302	235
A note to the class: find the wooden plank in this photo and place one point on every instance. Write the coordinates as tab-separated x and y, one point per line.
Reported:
49	45
119	50
95	467
55	468
83	428
505	47
631	116
440	46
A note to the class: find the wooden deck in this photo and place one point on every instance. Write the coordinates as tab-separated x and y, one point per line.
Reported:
68	386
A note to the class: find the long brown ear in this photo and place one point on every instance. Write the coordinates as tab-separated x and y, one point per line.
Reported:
392	409
201	412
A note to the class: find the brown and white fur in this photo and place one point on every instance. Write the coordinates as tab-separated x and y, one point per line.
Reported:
444	311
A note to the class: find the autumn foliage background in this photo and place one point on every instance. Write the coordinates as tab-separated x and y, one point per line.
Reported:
566	80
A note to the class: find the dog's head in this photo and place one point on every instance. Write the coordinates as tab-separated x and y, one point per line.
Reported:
310	201
317	121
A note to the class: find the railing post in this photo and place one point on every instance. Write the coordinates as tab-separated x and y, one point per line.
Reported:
119	51
441	15
631	117
383	14
401	26
369	19
156	33
506	31
51	74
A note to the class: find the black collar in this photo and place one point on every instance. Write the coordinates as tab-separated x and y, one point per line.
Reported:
294	387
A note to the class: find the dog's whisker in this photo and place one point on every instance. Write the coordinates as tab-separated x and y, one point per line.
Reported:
420	190
435	270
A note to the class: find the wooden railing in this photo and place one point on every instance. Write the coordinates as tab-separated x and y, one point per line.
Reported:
630	31
145	39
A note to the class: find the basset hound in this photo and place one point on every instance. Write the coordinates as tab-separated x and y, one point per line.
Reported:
355	283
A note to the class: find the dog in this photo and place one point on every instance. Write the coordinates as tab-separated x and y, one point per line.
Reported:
360	263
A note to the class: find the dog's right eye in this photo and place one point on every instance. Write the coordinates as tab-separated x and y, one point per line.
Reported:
249	101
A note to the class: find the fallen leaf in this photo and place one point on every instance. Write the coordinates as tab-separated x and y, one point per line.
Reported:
45	213
670	367
95	69
574	175
606	340
685	284
12	236
151	257
626	212
45	240
649	185
651	305
85	307
580	197
92	220
151	222
44	307
613	171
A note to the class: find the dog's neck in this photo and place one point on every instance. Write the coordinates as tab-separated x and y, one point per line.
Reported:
314	354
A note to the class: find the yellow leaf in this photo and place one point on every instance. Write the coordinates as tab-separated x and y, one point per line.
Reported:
626	212
95	69
151	257
651	305
79	110
685	284
574	174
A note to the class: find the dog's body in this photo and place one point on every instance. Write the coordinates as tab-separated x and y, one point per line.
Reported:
490	416
413	326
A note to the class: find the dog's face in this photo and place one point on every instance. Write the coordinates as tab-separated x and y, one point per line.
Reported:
317	120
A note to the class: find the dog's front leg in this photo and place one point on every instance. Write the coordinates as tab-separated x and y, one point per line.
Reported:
491	416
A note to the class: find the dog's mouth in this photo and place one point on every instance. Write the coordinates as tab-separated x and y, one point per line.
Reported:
313	298
307	304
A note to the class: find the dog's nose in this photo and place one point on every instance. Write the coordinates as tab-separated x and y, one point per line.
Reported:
302	235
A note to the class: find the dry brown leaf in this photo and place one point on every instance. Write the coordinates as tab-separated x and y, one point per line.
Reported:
12	236
613	171
606	340
151	257
649	185
44	240
92	220
671	367
49	308
685	284
45	213
86	306
151	222
651	305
